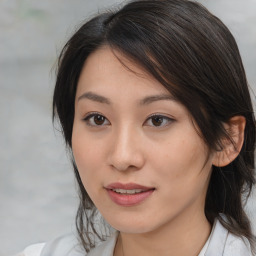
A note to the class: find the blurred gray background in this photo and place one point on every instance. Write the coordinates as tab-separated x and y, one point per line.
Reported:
37	193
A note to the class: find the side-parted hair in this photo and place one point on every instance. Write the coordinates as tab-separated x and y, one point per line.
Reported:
195	57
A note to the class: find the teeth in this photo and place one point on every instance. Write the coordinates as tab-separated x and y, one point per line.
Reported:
130	191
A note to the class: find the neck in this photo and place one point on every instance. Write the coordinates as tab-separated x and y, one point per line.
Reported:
183	236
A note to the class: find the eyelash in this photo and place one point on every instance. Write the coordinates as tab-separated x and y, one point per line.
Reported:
168	120
91	115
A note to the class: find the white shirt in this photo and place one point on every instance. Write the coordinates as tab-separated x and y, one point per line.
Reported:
220	243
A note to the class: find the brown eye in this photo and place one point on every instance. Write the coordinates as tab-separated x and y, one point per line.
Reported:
159	121
99	120
96	120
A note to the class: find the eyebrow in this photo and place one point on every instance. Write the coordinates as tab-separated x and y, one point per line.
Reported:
145	101
94	97
150	99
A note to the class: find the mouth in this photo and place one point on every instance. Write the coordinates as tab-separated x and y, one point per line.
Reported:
128	194
128	191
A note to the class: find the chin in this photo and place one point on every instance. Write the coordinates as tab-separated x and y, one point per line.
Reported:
132	227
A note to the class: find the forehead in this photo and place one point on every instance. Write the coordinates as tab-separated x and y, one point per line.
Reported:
107	68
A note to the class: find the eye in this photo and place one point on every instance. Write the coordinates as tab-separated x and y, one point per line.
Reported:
96	119
158	121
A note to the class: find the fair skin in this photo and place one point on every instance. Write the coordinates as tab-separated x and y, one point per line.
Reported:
116	139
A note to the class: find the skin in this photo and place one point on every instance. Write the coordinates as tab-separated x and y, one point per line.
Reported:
130	146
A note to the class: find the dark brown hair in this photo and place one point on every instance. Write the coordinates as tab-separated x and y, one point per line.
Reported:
193	54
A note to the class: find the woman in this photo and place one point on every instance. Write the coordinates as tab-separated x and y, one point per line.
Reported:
155	109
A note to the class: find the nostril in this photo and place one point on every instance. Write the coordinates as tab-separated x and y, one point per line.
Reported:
125	154
123	167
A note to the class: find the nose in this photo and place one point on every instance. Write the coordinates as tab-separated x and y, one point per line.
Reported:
126	150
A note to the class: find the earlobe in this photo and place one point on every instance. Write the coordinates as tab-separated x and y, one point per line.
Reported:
231	149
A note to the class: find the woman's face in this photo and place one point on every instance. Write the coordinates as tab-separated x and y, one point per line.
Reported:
139	156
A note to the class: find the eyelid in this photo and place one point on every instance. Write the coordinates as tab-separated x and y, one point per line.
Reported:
170	119
163	116
92	114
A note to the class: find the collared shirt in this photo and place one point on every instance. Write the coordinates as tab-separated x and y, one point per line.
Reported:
220	243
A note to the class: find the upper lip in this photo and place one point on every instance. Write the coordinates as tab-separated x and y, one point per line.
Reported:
127	186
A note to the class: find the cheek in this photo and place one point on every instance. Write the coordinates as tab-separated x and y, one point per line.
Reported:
180	156
86	155
181	164
88	165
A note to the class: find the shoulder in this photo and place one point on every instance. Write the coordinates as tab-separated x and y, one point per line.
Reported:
237	246
224	243
69	246
33	250
64	245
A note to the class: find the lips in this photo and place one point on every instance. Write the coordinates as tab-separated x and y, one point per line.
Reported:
128	191
129	194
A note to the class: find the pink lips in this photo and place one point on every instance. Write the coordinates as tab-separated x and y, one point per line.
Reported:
124	199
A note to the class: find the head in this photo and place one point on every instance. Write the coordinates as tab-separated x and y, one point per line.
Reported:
176	48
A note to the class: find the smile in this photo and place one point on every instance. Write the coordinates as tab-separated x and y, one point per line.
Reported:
128	194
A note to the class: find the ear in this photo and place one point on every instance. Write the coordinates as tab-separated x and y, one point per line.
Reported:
235	128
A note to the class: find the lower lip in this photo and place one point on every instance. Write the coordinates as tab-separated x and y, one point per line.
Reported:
129	200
